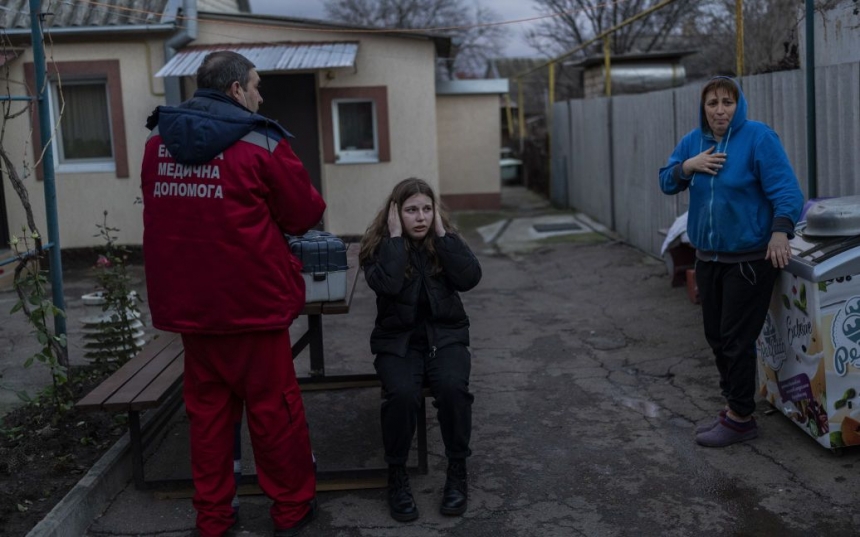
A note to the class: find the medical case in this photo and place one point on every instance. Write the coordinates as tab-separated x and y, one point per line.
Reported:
323	258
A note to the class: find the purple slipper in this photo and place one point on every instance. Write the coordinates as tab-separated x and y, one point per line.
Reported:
728	432
711	424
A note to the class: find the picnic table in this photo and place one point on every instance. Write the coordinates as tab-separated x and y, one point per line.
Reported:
152	380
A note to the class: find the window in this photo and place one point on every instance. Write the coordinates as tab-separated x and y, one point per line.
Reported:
355	134
355	125
83	138
91	134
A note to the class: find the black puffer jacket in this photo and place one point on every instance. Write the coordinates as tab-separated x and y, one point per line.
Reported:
397	295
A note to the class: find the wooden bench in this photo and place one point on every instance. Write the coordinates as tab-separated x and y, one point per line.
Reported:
149	380
153	378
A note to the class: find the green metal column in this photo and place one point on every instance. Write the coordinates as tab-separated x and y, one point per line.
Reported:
811	141
50	185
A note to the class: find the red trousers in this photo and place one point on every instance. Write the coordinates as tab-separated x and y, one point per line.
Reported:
222	373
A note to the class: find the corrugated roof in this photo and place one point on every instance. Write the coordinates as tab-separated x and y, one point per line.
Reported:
269	57
15	14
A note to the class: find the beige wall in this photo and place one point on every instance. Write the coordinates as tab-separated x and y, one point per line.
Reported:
83	197
469	134
354	192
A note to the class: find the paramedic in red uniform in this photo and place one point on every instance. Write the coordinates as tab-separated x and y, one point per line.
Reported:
221	186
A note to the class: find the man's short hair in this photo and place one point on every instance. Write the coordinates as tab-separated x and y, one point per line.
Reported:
220	69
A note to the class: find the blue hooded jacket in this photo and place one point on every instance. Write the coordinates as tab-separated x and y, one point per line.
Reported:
755	193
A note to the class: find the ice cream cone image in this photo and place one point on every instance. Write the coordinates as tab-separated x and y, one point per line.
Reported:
817	382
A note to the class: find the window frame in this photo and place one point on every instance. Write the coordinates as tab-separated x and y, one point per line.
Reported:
108	70
354	156
379	96
61	164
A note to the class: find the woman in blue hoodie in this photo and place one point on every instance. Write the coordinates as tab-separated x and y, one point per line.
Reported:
744	203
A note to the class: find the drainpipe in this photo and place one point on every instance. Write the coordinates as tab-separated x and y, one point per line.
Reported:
187	34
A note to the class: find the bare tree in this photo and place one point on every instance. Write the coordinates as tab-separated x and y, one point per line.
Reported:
36	312
708	27
575	22
770	37
474	37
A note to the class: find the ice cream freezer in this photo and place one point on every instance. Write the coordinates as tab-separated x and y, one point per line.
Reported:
809	347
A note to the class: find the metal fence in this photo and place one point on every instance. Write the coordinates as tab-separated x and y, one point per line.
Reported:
611	148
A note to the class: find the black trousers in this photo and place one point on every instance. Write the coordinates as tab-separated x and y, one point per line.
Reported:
735	299
447	373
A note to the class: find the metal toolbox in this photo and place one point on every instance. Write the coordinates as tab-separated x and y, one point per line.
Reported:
323	258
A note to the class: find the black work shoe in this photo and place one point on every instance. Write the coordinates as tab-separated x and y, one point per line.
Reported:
454	496
401	504
301	524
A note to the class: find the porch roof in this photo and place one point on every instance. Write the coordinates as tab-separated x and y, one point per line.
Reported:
269	57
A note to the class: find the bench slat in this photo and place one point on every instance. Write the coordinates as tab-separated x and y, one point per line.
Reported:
105	390
122	398
155	394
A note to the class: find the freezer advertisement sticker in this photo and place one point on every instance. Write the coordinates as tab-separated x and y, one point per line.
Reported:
846	336
795	389
771	346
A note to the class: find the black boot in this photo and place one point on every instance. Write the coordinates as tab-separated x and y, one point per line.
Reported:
454	496
400	501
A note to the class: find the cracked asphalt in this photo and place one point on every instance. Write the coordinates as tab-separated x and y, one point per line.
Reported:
589	373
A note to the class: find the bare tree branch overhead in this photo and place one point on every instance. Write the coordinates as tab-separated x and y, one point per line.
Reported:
574	22
705	26
466	23
770	37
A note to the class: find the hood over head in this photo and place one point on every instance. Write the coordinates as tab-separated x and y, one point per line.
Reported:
199	129
738	119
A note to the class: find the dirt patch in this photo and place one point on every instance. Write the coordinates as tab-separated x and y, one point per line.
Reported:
44	453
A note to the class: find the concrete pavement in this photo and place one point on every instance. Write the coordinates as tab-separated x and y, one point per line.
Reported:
589	373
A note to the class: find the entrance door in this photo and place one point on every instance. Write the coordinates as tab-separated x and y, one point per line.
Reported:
292	101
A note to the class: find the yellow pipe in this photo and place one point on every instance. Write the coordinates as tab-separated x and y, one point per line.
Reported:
549	122
521	112
607	66
739	18
509	116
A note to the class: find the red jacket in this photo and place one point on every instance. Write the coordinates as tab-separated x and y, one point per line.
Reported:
221	187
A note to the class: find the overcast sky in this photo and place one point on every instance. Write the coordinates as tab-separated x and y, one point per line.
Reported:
505	9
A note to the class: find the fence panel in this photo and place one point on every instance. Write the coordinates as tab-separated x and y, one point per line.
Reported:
591	192
837	103
561	153
643	138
